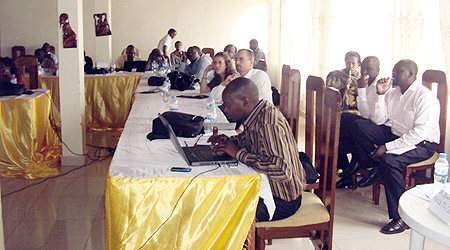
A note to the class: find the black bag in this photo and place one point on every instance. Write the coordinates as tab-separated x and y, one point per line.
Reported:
184	125
310	171
181	81
156	80
11	89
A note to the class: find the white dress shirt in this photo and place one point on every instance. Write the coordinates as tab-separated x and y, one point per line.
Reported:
259	77
413	116
367	99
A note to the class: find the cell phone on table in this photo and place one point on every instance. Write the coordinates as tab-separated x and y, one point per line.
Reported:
180	169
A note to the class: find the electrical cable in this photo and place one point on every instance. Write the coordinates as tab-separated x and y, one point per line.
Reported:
176	203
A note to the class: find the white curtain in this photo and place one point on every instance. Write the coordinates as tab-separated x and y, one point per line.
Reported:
445	32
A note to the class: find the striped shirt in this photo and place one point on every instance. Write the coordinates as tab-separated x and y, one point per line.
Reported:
268	145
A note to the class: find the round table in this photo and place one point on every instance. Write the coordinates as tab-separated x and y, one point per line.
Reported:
424	223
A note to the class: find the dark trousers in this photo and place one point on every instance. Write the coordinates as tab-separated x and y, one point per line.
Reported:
346	143
283	209
391	167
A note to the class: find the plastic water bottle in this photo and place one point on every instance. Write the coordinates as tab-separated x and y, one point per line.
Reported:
155	66
113	67
173	105
211	117
165	90
209	100
440	172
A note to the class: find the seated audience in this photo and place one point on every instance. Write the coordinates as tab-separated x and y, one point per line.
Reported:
259	54
156	56
224	73
256	146
45	61
244	66
198	62
130	56
345	80
231	51
366	100
412	112
165	43
88	64
124	51
178	56
50	50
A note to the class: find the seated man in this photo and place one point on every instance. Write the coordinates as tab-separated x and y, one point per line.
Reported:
259	54
256	148
45	62
198	62
244	66
129	56
366	100
178	56
412	111
345	80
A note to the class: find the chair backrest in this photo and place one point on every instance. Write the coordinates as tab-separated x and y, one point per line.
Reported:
436	76
209	51
284	90
30	62
17	51
315	90
329	143
291	109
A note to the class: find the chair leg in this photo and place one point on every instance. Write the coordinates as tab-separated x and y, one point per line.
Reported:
354	181
260	243
376	192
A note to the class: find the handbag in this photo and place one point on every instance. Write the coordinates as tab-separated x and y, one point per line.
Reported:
310	172
181	81
184	125
11	89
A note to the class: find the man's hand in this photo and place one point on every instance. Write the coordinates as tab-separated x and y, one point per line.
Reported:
383	85
378	153
216	139
228	147
363	81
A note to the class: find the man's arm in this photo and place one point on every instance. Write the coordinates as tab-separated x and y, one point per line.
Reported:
264	85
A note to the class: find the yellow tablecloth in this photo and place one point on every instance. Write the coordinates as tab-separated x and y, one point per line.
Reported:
108	99
213	213
29	146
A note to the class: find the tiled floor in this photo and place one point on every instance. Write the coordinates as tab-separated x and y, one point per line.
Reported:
68	213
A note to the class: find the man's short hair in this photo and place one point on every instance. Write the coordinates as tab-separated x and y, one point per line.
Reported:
411	65
177	42
250	54
243	86
353	53
196	48
254	41
171	31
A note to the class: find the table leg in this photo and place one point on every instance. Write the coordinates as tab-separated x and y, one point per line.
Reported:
416	241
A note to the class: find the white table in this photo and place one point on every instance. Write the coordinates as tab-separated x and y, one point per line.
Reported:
424	223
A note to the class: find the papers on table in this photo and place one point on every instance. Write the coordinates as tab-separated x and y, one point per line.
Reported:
427	191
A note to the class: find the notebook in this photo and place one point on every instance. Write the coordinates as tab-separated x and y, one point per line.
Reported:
198	155
138	65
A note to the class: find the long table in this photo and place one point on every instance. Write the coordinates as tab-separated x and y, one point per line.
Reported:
29	146
109	99
148	205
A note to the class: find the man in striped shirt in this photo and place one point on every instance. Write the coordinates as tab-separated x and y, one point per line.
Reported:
266	144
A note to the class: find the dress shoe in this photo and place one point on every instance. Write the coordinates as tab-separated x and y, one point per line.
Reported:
369	179
354	167
394	227
344	182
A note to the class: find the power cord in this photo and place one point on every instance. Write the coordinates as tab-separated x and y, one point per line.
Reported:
176	203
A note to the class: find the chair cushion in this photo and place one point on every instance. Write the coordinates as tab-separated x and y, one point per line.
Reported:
428	161
312	211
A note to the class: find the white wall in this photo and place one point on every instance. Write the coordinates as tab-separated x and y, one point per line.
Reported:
205	23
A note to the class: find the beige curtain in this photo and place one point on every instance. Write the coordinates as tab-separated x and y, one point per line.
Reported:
445	33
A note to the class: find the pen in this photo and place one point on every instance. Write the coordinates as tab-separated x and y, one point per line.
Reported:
185	143
198	140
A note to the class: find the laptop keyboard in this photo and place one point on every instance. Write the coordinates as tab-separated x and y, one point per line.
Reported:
202	153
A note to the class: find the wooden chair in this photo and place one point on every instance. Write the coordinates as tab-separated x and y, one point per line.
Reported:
30	62
292	100
284	88
17	51
412	171
315	90
209	51
315	217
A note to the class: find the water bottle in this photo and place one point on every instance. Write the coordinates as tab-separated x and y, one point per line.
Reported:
440	172
13	79
155	66
211	117
173	105
165	90
209	100
113	67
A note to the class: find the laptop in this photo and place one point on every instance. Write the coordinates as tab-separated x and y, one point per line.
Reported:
198	155
138	65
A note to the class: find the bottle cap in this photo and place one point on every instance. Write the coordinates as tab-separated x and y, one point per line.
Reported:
210	96
174	97
443	155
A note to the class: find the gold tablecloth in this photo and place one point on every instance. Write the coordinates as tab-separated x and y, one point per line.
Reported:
213	212
108	99
29	146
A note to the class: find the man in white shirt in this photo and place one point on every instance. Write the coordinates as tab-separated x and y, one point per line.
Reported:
165	42
365	101
244	66
412	112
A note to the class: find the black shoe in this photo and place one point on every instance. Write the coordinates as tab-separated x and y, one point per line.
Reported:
369	179
354	167
394	227
345	182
